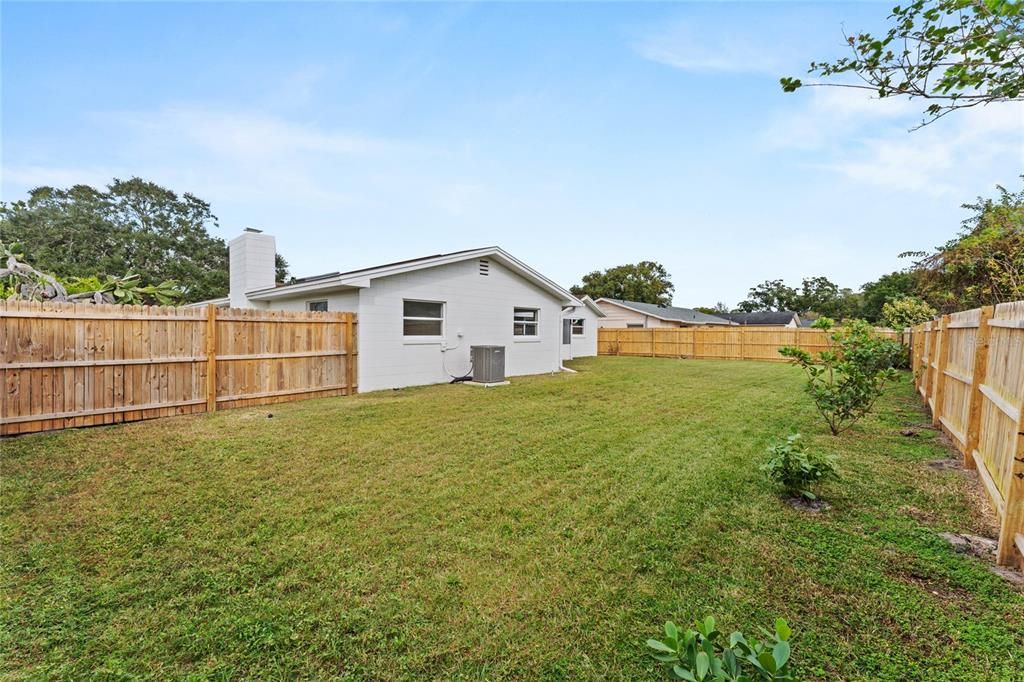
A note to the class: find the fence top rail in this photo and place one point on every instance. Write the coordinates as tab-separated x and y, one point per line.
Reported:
106	311
111	311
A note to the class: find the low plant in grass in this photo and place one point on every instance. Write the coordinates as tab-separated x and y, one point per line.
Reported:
796	469
846	378
707	654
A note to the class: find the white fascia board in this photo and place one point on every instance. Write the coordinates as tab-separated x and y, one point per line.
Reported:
524	270
319	286
589	302
363	278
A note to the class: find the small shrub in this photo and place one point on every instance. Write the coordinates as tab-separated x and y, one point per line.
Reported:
796	469
847	378
707	654
906	311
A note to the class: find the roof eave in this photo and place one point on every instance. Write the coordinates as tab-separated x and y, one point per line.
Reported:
359	279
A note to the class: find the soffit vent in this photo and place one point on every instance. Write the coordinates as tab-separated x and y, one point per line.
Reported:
485	267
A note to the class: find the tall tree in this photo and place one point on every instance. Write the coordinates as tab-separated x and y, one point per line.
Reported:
646	282
982	265
895	285
718	309
953	53
819	294
131	227
770	295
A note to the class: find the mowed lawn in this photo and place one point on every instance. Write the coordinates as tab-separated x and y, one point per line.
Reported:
541	530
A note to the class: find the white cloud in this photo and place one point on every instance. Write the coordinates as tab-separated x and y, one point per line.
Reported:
228	155
832	114
868	141
689	48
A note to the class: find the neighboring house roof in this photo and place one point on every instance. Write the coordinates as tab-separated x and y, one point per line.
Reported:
764	318
667	312
362	277
807	321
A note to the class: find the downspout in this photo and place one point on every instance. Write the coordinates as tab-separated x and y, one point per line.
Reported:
561	330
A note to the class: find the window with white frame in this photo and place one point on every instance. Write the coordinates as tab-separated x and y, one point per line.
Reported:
525	321
577	327
316	306
422	318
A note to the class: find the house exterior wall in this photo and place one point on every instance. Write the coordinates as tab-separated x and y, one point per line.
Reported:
619	317
337	302
478	306
586	345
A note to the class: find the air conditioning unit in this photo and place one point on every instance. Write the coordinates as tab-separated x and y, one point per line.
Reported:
488	364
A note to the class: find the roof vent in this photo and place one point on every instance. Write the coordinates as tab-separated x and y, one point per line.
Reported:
485	267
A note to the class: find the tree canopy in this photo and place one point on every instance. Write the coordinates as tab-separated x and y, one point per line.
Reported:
132	227
770	295
953	53
982	265
899	284
646	282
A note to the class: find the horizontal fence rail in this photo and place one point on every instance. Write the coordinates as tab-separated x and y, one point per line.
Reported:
66	365
969	370
728	343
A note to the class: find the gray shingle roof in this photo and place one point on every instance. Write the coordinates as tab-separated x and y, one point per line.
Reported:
668	312
763	318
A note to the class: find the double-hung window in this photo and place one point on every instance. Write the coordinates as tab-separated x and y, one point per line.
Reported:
577	327
525	321
422	318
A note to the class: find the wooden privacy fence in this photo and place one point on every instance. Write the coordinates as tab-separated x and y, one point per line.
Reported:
969	369
724	343
66	365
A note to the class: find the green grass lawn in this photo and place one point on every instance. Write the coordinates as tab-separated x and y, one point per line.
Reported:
539	530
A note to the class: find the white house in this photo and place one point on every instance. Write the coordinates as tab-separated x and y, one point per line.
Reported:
418	318
634	314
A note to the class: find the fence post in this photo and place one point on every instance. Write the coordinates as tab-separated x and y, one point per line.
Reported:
350	351
927	353
977	379
211	358
940	370
743	353
652	342
618	342
1013	514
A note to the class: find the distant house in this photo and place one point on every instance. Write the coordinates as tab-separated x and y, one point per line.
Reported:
417	319
633	314
784	318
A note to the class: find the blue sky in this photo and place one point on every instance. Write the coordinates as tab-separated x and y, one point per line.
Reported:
576	136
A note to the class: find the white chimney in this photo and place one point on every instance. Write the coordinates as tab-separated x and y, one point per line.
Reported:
251	265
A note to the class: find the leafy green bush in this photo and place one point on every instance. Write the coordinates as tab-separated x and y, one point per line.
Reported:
906	311
796	469
847	378
706	654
